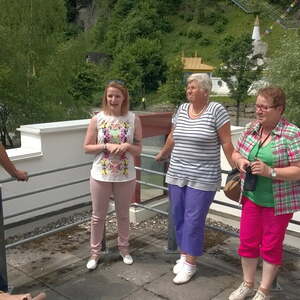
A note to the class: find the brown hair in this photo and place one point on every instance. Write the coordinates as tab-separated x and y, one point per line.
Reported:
123	89
276	94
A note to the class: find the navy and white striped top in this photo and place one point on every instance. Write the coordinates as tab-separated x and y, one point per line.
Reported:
195	159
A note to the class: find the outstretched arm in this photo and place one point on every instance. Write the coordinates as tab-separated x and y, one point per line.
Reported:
6	296
10	167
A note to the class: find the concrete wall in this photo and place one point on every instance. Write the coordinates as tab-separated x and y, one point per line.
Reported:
55	145
46	147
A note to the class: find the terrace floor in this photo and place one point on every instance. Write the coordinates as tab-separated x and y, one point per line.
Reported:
56	265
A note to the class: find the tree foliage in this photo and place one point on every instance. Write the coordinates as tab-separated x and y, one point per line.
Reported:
239	67
140	64
132	34
173	90
37	63
284	71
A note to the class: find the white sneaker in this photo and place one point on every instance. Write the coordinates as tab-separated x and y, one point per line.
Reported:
260	296
241	292
182	257
185	274
127	259
92	263
179	264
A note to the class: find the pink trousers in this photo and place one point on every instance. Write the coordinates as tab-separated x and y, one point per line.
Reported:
261	232
100	193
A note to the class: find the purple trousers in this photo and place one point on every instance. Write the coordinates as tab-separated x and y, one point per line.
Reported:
189	208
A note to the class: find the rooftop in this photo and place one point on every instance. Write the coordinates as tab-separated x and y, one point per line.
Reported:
56	265
194	64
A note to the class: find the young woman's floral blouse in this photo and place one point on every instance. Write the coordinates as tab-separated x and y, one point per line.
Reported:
114	130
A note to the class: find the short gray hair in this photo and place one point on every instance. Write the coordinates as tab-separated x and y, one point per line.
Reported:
203	80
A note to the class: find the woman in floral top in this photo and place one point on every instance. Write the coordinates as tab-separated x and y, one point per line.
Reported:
269	148
114	135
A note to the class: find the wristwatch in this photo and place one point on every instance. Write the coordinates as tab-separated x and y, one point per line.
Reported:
273	173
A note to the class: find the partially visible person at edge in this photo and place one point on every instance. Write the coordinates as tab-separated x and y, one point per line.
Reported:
114	135
6	296
20	176
199	129
10	167
270	145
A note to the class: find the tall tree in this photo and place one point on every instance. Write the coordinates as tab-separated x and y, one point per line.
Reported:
37	61
173	90
140	64
239	68
284	71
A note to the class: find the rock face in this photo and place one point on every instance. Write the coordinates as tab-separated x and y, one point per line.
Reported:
87	13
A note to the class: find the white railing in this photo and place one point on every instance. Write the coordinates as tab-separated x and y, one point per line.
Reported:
59	145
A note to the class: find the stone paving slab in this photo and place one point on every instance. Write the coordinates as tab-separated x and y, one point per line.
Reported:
206	284
143	271
142	294
63	276
97	285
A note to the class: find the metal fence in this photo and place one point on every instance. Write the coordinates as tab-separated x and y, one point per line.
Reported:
267	10
171	247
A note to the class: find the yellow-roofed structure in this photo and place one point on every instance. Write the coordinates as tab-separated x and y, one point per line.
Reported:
195	65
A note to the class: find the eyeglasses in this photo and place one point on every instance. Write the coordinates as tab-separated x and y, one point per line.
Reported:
120	82
264	107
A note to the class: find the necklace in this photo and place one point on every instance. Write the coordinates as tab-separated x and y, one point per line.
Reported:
199	113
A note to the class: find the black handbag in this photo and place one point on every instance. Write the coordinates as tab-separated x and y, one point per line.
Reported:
232	188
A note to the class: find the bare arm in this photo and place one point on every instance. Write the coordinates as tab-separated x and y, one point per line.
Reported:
10	167
90	142
240	161
166	150
92	147
225	139
6	296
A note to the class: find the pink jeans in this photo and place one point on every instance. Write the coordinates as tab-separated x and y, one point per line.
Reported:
100	193
261	232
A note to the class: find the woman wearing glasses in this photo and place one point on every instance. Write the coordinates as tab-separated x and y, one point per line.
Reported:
268	156
114	136
200	128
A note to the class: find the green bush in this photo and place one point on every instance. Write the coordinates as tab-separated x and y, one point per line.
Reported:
219	28
205	42
211	18
194	32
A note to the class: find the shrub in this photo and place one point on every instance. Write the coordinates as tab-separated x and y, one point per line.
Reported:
211	18
194	32
219	28
205	42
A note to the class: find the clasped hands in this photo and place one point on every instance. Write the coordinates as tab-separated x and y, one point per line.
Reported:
118	148
258	167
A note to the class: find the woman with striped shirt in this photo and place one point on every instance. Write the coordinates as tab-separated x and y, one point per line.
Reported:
200	128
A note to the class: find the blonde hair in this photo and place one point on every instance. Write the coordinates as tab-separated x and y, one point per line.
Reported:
123	89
